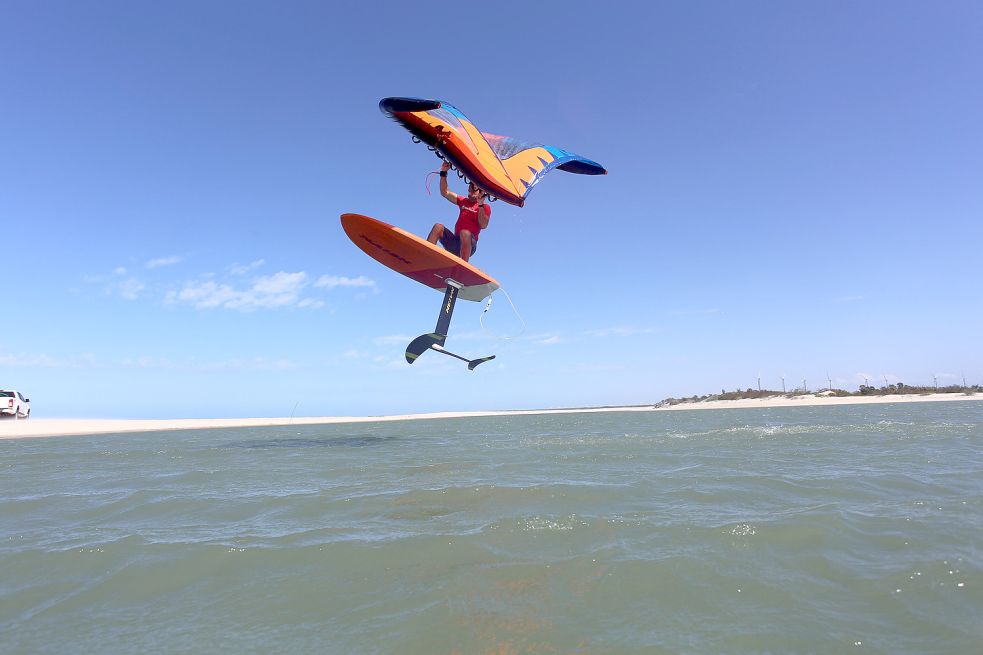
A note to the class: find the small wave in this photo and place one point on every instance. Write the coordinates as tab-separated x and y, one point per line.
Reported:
743	530
552	524
355	441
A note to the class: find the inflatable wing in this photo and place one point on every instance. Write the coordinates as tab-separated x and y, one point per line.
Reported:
501	166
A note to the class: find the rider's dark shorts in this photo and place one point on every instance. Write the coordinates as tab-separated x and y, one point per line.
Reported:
452	243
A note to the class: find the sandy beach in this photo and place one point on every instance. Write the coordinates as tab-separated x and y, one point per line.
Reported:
41	427
56	427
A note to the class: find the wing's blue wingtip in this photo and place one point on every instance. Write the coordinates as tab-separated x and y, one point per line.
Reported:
583	167
392	105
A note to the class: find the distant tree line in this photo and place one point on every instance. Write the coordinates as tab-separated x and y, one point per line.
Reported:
864	390
902	388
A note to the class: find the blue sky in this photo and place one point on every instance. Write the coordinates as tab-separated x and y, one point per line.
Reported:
794	189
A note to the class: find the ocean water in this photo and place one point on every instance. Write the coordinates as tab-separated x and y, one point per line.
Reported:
802	530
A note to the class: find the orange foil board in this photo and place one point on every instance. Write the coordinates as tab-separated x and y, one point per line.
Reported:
416	258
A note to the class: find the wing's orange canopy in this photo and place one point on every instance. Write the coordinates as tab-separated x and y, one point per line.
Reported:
502	166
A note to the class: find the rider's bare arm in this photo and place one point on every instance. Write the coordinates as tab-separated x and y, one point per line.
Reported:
444	191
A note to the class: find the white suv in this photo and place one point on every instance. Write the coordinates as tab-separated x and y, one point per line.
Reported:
13	403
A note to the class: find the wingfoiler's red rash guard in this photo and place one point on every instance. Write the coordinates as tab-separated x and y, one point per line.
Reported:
468	219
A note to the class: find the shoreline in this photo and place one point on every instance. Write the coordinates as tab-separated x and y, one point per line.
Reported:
36	427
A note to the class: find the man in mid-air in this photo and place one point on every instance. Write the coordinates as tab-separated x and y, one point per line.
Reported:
463	241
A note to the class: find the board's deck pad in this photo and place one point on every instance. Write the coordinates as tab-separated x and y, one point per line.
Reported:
416	258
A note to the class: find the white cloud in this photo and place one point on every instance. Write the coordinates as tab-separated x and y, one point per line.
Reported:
29	361
204	295
549	341
163	261
242	269
280	289
229	291
129	289
269	292
333	281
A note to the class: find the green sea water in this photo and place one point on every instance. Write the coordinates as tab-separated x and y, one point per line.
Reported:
854	529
